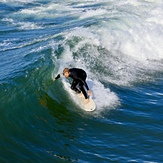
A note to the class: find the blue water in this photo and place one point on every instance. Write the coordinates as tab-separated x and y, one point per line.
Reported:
118	44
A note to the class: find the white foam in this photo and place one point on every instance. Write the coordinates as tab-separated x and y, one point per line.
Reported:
51	10
93	13
22	25
103	97
156	15
5	43
22	1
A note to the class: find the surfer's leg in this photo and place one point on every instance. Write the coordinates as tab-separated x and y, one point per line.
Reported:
81	87
74	85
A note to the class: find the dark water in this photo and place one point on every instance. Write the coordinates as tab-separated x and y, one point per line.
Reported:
118	44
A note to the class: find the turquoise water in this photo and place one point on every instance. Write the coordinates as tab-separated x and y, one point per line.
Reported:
118	44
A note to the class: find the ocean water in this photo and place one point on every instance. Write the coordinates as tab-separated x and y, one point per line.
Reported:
119	43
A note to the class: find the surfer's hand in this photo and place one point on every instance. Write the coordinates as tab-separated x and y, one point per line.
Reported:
57	77
90	93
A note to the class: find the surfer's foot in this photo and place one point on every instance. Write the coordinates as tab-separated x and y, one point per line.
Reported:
86	101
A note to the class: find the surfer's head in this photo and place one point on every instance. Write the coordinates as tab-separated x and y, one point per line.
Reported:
66	72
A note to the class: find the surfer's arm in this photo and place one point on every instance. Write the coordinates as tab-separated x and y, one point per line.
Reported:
57	77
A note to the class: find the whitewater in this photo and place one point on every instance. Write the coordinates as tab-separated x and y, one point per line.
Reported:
119	45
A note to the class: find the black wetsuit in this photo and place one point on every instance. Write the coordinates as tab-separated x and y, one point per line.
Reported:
79	79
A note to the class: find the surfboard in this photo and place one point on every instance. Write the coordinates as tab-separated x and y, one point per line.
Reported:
79	99
90	106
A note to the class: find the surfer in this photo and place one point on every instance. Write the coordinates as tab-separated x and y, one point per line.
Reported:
79	81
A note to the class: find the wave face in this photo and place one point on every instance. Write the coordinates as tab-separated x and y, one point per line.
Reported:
119	45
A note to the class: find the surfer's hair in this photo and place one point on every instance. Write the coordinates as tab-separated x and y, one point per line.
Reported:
66	70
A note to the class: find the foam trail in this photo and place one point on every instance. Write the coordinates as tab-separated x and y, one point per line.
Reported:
102	96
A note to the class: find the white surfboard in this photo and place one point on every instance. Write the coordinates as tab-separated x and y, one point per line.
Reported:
79	99
90	106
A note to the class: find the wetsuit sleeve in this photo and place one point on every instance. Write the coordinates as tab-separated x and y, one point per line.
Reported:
58	76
